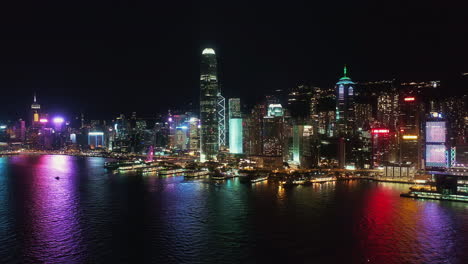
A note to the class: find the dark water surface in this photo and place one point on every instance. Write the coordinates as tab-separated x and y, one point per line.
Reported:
92	216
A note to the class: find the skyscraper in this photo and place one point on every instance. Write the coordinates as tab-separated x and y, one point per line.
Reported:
209	138
299	102
235	126
222	142
35	108
410	111
345	118
435	142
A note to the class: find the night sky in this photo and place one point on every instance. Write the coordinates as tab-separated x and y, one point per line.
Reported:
119	57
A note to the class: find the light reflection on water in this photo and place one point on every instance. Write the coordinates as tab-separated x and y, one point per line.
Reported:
92	216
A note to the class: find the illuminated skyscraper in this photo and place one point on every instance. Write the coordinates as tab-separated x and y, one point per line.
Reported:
410	111
381	146
35	108
235	126
209	138
221	121
345	118
387	109
194	134
435	142
253	130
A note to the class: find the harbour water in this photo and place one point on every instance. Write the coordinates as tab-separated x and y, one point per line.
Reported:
90	215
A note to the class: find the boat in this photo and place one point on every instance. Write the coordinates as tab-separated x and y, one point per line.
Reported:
133	167
117	164
253	178
152	168
218	175
259	179
295	182
171	171
197	173
323	179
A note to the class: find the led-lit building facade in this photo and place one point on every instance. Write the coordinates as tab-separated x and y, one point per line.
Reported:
435	142
235	127
35	112
209	136
409	135
222	141
345	116
381	146
96	139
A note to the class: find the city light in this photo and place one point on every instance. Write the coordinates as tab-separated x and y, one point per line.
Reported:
380	131
208	51
409	99
410	137
96	133
43	120
58	120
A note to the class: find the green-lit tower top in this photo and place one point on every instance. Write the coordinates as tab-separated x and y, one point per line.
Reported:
345	78
345	73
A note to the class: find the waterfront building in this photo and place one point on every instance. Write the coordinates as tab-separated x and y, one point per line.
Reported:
272	136
209	137
235	126
96	139
381	146
304	146
253	131
436	156
408	131
221	109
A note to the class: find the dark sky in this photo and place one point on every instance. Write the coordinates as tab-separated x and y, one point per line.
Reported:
113	57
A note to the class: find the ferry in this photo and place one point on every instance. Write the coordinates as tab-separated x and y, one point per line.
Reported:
253	178
133	167
217	175
294	182
171	171
323	179
259	179
152	168
197	173
449	185
117	164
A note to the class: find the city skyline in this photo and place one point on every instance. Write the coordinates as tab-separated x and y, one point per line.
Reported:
111	55
231	132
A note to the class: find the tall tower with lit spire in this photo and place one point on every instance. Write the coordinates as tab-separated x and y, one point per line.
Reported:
35	108
209	91
345	116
